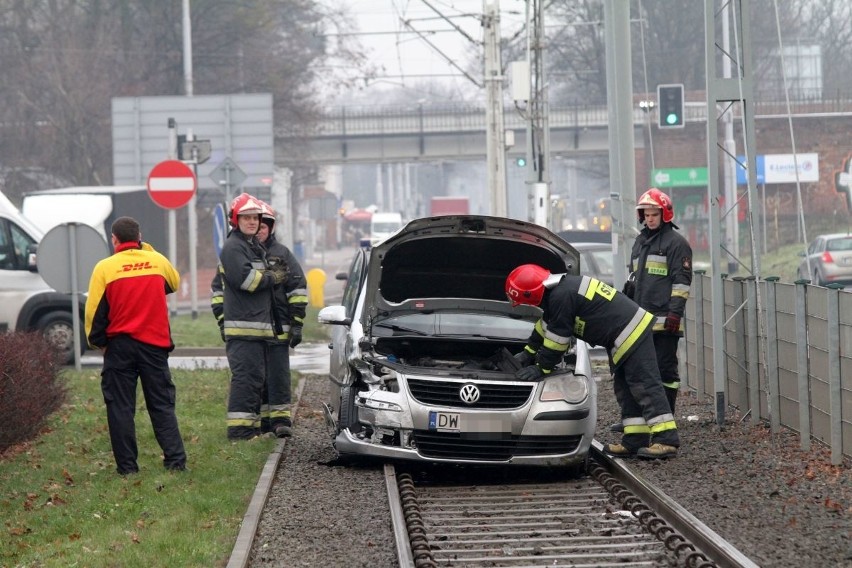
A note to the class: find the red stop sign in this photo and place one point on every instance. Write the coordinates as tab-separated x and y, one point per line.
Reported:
171	184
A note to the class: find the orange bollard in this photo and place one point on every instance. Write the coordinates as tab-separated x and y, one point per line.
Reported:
316	282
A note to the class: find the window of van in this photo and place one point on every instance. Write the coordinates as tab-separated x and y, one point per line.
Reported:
14	243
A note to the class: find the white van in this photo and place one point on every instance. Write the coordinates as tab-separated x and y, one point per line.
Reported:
383	225
98	206
27	303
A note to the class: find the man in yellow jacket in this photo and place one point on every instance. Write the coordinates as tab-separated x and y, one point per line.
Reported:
127	319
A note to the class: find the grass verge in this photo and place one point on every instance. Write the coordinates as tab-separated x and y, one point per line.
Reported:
62	503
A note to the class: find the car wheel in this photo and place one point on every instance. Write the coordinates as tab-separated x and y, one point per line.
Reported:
348	413
817	280
58	329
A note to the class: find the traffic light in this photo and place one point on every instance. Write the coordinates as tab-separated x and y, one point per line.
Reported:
521	162
670	105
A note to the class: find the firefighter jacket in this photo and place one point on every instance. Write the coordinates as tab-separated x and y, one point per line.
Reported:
246	290
127	296
290	297
591	310
662	263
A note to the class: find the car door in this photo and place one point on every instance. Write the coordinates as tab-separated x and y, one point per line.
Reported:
17	282
344	338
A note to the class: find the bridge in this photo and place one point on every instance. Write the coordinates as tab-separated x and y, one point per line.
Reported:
457	131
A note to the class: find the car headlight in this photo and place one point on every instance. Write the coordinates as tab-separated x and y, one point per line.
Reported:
573	389
375	402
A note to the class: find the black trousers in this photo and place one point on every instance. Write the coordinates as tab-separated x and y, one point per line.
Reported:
665	345
126	360
639	392
247	360
275	403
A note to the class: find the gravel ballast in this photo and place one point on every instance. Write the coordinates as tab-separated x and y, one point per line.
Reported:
779	505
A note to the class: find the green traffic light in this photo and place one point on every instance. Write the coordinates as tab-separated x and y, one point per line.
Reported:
671	118
521	162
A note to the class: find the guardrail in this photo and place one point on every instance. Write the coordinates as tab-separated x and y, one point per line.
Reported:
787	360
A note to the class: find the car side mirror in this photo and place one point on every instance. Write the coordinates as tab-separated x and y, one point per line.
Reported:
333	315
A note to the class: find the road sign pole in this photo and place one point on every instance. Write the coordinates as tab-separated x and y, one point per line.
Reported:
193	237
172	219
75	293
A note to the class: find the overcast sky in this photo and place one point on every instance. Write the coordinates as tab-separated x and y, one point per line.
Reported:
406	57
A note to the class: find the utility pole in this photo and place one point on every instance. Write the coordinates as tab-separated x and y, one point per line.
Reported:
729	90
192	224
622	153
496	134
538	130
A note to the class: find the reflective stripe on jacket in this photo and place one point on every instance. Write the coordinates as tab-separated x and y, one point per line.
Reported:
591	310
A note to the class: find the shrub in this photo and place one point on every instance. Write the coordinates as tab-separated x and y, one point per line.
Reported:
31	388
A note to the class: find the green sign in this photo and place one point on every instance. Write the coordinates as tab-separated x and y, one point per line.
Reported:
679	177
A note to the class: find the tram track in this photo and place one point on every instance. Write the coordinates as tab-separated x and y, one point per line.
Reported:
611	517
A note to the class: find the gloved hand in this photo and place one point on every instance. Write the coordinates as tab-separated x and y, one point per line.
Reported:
629	286
279	274
673	323
295	335
524	358
531	373
222	332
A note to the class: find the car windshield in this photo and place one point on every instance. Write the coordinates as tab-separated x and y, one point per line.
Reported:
844	243
455	324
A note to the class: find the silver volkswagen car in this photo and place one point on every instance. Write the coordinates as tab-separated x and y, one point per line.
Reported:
421	361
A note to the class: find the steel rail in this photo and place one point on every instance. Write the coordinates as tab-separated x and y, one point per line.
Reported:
724	554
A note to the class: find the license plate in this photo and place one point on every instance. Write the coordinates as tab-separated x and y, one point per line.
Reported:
444	421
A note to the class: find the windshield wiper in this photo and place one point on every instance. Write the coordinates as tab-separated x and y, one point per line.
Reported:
401	329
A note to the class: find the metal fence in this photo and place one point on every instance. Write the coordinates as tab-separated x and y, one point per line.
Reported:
788	356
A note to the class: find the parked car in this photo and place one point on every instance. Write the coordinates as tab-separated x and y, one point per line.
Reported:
421	352
828	260
595	248
596	260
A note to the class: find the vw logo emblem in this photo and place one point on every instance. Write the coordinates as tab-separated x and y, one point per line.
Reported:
469	394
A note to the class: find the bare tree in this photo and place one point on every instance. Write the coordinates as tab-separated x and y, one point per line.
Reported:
668	44
63	60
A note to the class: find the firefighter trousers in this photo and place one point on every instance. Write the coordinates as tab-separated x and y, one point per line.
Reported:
125	360
276	399
247	360
645	410
665	345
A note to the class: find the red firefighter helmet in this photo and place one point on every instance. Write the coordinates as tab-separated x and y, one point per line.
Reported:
267	215
525	284
244	204
655	199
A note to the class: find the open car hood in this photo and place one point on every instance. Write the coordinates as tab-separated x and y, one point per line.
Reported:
458	263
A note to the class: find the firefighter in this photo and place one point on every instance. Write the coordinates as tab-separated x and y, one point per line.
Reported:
591	310
661	274
247	320
290	300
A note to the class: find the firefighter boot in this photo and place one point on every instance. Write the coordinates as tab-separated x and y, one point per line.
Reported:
284	428
657	451
630	444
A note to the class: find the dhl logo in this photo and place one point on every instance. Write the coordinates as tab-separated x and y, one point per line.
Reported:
136	266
